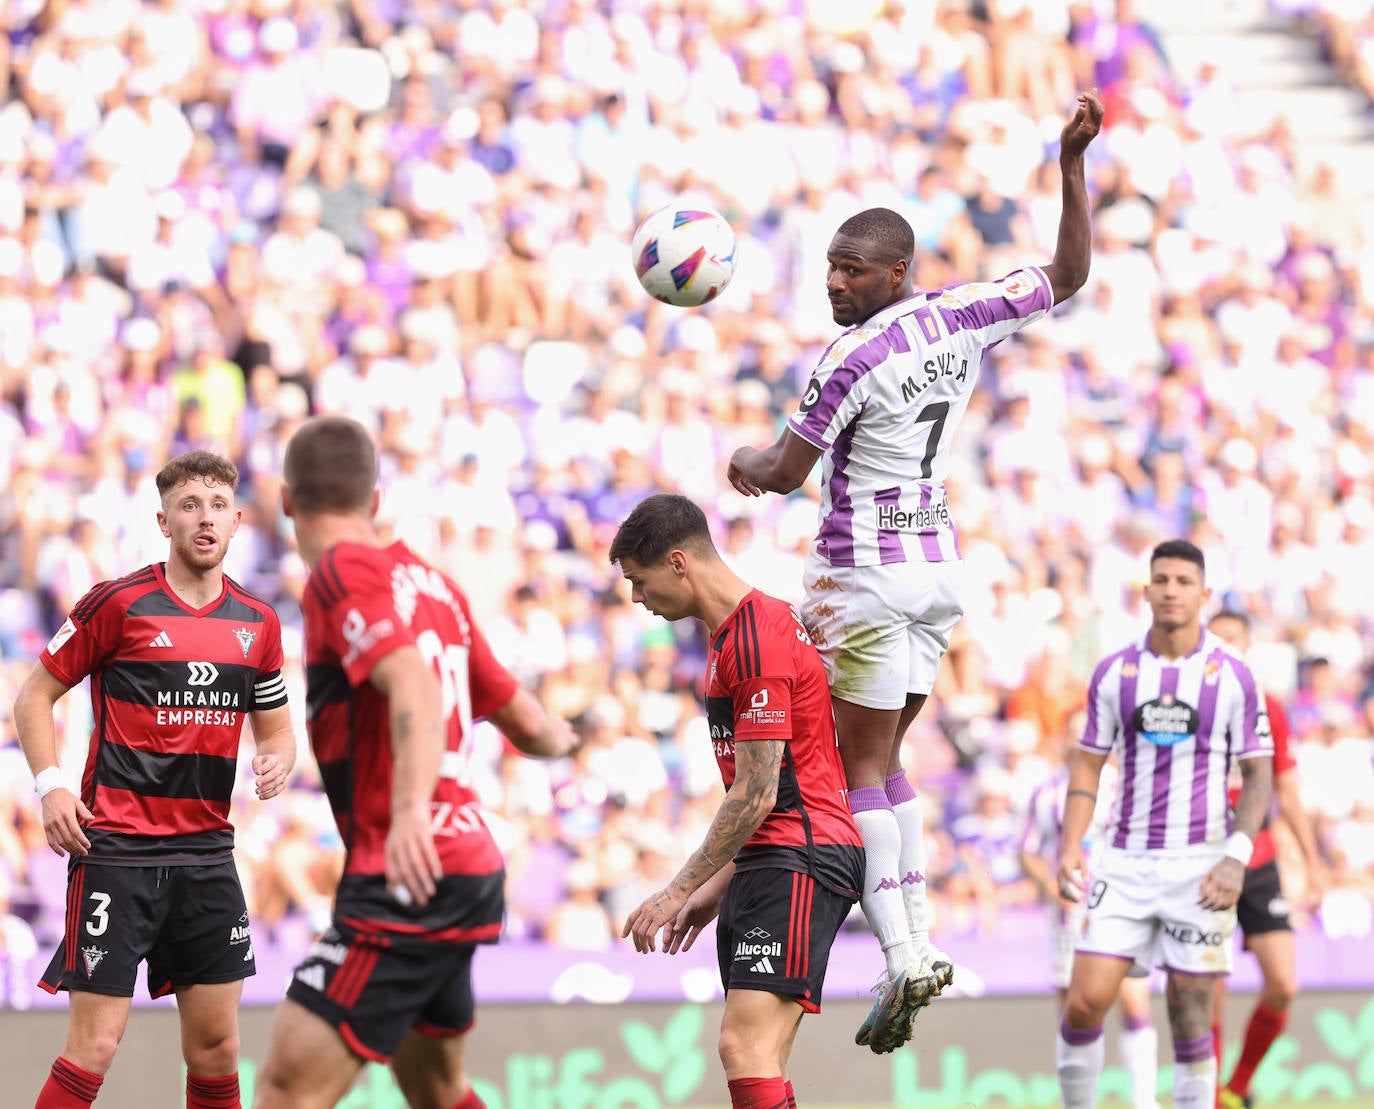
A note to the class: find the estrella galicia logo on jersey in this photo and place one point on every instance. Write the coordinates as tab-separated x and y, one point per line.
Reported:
1166	720
245	638
202	673
91	956
813	394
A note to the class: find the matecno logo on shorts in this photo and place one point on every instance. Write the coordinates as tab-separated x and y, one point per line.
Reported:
1166	720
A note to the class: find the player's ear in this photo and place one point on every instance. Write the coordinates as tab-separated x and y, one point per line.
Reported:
162	523
286	507
376	503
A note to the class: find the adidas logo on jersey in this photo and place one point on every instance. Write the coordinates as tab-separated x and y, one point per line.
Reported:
312	976
763	966
162	639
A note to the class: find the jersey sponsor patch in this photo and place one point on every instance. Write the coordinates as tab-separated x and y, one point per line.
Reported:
1019	285
64	633
1166	720
813	394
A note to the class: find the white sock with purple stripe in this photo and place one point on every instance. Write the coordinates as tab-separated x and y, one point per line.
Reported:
1139	1046
882	894
1079	1056
911	863
1195	1074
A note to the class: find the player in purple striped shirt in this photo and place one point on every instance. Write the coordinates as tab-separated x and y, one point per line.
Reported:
1178	704
884	579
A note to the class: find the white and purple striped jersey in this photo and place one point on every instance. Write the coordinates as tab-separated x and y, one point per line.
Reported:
1178	723
883	405
1045	815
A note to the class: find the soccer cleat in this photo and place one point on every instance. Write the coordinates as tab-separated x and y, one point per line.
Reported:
888	1024
941	965
1230	1100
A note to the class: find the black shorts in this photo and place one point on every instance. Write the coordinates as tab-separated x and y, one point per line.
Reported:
375	988
190	924
1262	907
775	932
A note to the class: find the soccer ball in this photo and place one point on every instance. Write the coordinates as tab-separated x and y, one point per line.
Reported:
684	256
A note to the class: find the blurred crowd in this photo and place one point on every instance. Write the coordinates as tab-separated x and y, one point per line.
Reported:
220	216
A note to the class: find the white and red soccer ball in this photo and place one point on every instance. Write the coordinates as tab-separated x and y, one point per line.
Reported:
684	255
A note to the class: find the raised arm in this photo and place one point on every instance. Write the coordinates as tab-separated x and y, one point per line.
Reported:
780	468
1073	250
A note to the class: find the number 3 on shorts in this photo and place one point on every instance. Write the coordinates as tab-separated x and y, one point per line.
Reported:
100	915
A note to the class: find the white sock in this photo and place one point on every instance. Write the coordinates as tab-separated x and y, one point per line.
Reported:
911	866
1195	1082
1140	1056
1080	1065
882	895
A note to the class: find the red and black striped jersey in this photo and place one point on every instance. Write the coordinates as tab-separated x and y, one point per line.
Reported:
766	682
361	604
1279	730
170	686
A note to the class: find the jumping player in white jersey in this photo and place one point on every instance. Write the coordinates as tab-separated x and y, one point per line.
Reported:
1139	1043
1179	705
883	581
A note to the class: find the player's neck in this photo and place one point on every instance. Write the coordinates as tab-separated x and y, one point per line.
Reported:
720	597
196	588
1175	643
324	532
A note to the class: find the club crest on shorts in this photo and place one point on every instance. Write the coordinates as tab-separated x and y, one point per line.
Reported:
91	956
245	638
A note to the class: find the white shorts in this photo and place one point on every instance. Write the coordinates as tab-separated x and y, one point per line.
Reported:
881	630
1142	905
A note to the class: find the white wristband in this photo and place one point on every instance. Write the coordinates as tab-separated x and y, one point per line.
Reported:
1240	847
45	781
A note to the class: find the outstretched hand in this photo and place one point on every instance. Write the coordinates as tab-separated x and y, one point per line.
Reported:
1083	127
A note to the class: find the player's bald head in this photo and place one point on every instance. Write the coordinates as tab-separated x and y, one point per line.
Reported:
330	466
889	234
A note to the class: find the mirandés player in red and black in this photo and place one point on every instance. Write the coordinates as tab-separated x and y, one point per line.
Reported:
782	862
397	673
178	655
1262	911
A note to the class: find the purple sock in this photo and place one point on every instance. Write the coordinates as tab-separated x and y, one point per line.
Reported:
1134	1022
1193	1051
1079	1036
899	789
867	798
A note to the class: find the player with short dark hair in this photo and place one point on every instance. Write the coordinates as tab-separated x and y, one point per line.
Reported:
178	655
397	675
884	577
782	860
1178	705
1262	911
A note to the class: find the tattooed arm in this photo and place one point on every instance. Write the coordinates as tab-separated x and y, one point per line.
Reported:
1221	886
751	798
417	746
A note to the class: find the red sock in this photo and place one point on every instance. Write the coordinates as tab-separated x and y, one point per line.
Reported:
213	1093
759	1093
1216	1050
68	1087
471	1101
1265	1027
791	1096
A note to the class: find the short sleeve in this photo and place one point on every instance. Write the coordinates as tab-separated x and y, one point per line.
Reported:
1103	717
87	638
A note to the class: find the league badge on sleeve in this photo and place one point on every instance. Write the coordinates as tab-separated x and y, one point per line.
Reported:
64	633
